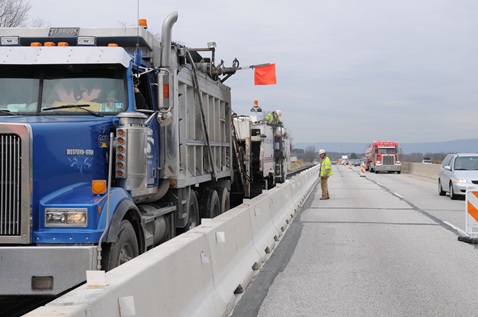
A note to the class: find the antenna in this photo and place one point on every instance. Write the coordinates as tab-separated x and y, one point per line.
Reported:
137	23
137	53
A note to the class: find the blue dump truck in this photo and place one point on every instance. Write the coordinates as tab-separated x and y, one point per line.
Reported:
111	142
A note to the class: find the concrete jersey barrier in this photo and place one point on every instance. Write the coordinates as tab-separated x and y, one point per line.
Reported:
419	169
198	272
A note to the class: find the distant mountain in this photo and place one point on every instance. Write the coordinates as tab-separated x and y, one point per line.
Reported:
465	145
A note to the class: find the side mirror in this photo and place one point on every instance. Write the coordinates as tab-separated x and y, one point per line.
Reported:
448	168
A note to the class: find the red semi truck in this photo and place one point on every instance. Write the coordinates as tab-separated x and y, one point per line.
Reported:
382	156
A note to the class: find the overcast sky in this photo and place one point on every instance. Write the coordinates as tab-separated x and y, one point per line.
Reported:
347	70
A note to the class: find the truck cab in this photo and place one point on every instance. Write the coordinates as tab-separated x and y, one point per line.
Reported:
111	142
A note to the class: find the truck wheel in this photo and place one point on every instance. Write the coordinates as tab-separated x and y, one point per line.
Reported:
124	249
271	182
210	206
193	217
224	200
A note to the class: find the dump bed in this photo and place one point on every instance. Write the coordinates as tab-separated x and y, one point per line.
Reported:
198	142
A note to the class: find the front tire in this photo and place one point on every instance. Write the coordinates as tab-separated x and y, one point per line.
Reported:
124	249
441	192
452	193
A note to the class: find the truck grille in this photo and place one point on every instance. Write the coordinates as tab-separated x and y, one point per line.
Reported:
388	159
15	196
10	184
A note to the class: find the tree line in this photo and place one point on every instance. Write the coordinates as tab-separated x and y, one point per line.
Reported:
14	13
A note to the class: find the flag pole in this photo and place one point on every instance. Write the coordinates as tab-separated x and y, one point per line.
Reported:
253	66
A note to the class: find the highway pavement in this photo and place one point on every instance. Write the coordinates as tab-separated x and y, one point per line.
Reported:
383	245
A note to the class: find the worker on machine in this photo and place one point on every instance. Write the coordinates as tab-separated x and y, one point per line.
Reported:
273	118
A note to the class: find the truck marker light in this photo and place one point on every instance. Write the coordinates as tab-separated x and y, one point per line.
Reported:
166	90
120	140
120	157
98	186
112	45
120	148
62	44
119	165
35	44
172	183
119	173
49	44
121	132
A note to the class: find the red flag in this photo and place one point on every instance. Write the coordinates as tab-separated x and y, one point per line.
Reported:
265	75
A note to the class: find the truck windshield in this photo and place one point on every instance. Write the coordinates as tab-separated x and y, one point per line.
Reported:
386	150
45	88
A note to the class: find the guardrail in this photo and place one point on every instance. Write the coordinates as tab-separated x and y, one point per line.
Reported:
198	272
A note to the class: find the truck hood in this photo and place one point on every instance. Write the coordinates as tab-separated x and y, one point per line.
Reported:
65	150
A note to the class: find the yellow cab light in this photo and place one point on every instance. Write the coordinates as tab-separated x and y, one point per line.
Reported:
112	45
98	186
143	23
62	43
35	44
49	44
166	90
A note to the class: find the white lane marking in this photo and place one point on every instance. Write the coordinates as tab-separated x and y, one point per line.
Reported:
457	229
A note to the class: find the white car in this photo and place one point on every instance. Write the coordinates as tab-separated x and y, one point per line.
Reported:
458	172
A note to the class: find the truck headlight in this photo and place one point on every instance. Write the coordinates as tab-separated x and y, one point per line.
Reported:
66	217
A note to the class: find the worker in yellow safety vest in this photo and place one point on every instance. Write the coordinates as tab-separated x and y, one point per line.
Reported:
325	173
273	117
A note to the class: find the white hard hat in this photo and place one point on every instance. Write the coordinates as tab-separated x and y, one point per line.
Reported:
279	113
321	151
